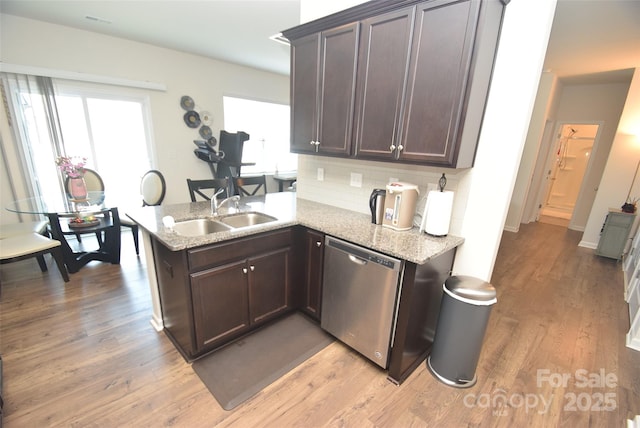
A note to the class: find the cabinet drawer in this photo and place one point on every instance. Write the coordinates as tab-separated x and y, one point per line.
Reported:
201	258
619	219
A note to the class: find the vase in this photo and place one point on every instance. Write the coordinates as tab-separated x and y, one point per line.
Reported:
78	188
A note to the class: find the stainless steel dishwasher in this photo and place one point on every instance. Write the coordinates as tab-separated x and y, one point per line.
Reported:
359	293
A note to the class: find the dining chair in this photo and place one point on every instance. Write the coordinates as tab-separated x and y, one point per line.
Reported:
152	189
27	245
197	186
94	182
26	228
250	186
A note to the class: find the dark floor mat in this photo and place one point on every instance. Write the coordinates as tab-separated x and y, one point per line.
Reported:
238	371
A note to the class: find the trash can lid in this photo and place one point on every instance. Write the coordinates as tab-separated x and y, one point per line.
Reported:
470	288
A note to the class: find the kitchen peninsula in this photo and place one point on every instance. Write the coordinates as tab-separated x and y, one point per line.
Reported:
214	288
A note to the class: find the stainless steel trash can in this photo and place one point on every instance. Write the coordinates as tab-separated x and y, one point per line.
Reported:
462	322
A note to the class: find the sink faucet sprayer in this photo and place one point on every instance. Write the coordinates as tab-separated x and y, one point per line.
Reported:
215	205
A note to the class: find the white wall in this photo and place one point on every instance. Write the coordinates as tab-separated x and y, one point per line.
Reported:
620	167
592	103
524	185
36	43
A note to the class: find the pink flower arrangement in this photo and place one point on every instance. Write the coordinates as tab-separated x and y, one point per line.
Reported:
72	166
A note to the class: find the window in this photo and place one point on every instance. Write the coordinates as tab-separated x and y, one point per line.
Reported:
108	127
110	131
268	127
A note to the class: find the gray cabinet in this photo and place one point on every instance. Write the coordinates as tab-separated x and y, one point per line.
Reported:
614	234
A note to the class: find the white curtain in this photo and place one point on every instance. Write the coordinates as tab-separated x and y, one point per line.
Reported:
37	137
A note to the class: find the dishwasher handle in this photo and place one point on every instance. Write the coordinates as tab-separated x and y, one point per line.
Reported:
362	256
357	260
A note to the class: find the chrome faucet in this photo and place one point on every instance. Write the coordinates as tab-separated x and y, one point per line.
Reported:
215	205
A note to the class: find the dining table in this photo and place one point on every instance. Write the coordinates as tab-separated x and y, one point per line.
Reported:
67	216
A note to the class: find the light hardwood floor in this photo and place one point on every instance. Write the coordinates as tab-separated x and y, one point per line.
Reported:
85	355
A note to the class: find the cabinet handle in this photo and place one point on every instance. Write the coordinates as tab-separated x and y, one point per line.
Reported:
312	142
244	270
252	268
400	147
392	148
318	244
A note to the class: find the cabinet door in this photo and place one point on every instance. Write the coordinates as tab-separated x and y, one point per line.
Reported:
305	58
339	49
268	284
314	258
385	42
439	66
220	303
614	235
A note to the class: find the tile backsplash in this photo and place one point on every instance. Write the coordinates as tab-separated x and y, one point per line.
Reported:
335	188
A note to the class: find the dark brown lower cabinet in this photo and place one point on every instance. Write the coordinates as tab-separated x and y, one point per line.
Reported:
214	294
220	303
268	279
313	262
417	317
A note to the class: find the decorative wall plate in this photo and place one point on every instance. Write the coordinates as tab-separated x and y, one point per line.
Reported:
192	119
186	102
205	132
207	118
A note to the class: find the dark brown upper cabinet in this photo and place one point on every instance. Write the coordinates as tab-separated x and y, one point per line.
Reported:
423	74
440	73
323	77
385	43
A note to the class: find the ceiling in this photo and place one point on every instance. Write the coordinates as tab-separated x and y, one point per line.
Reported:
589	38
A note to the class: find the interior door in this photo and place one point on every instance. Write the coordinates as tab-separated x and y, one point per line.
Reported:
572	154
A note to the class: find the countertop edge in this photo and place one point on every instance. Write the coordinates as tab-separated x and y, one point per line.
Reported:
410	245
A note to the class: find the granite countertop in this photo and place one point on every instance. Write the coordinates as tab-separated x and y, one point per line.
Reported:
410	245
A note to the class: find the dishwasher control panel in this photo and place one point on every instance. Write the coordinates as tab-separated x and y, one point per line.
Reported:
363	254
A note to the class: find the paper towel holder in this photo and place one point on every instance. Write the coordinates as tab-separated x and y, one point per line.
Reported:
441	226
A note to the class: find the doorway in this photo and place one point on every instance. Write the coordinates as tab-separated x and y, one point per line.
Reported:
568	165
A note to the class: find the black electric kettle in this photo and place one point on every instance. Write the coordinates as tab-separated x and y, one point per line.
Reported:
376	203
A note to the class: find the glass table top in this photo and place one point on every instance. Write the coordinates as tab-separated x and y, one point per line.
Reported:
95	201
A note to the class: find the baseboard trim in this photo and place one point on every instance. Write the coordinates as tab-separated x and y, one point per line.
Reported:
586	244
157	323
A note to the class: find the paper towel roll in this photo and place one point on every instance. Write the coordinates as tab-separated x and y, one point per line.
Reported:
437	213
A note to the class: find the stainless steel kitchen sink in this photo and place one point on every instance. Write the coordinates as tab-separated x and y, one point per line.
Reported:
199	227
204	226
246	219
